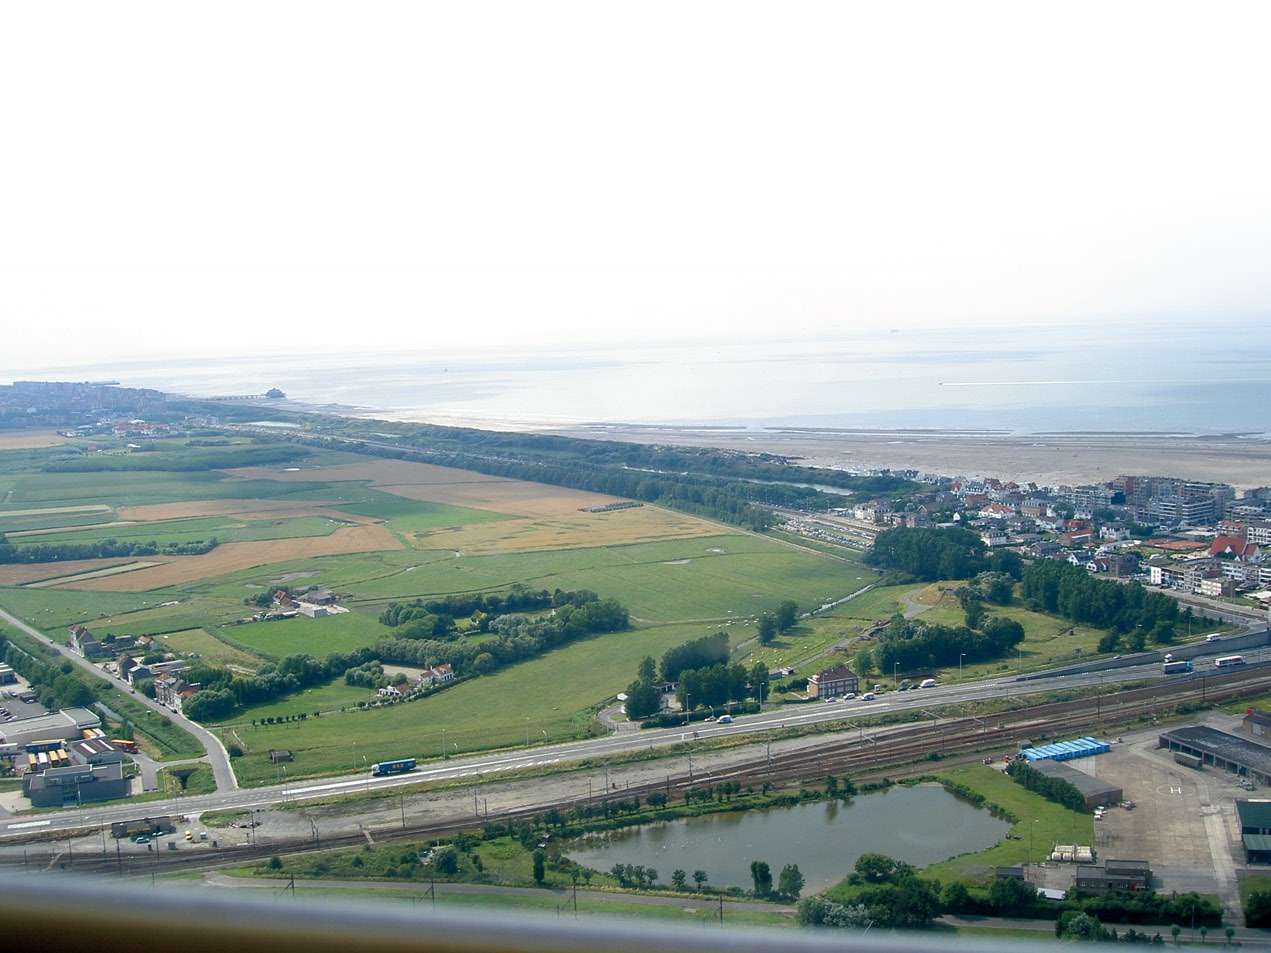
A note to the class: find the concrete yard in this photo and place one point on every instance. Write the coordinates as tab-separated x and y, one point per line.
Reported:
1184	820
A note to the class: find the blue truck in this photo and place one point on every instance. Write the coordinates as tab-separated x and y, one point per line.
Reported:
400	766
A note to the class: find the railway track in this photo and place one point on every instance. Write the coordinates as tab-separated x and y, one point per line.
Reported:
894	751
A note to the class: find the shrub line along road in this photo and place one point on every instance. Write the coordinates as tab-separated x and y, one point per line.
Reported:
217	756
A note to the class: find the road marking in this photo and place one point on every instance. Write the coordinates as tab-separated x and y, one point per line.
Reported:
14	827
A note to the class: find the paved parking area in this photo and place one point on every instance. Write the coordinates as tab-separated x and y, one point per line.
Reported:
1184	820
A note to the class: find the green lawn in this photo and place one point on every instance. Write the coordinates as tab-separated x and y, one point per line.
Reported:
1040	825
226	529
207	647
316	637
554	694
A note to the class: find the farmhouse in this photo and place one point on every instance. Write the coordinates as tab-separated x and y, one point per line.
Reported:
832	683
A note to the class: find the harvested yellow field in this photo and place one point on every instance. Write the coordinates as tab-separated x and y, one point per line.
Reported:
232	557
48	510
21	574
30	439
430	484
637	525
549	517
380	473
74	582
244	509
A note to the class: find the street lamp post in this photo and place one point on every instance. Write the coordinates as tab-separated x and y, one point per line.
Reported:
895	674
443	744
527	732
961	656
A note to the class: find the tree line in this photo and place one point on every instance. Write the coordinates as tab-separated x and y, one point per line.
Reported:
108	548
516	637
730	487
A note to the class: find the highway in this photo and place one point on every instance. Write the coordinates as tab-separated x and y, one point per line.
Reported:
490	765
1139	668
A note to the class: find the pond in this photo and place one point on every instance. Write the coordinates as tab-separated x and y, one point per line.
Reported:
920	825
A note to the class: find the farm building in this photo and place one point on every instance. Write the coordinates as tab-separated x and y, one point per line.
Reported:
1240	756
832	682
1097	793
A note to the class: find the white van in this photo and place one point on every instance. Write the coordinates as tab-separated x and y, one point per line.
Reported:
928	683
868	697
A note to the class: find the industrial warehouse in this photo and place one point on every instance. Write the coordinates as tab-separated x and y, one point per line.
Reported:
1198	746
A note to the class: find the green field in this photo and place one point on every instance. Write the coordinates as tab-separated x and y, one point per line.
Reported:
316	637
226	529
1040	824
675	590
202	644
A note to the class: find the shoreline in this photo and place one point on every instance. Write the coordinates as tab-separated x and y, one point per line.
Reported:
1047	458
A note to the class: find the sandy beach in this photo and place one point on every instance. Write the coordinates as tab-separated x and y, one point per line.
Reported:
1045	459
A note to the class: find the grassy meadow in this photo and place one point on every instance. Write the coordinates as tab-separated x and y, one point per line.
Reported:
683	578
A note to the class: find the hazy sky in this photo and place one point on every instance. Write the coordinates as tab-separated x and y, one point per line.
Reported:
241	177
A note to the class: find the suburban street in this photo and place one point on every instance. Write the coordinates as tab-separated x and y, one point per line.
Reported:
217	756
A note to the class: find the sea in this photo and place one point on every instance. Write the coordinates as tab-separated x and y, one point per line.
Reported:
1187	377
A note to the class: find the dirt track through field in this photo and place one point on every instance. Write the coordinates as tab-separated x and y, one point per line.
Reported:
232	557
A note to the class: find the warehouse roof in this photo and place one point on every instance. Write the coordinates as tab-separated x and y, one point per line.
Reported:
1088	786
1254	813
1228	747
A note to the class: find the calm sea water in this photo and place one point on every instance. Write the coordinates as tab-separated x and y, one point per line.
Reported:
1185	377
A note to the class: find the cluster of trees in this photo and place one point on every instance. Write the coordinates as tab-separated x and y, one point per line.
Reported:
700	653
717	685
881	891
108	548
703	676
915	645
773	623
789	883
435	618
1258	909
1052	789
929	554
223	691
1071	592
517	637
52	677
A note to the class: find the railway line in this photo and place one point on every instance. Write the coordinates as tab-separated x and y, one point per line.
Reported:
861	752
